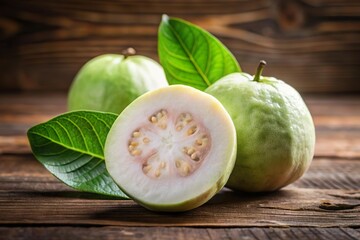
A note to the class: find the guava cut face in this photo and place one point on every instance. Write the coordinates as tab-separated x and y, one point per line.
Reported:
172	148
275	131
110	82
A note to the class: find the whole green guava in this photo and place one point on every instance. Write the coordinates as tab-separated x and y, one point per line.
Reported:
275	131
110	82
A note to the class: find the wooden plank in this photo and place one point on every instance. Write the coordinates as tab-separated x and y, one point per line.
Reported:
333	104
337	123
178	233
313	45
18	112
327	196
24	174
29	194
336	117
331	174
337	143
288	207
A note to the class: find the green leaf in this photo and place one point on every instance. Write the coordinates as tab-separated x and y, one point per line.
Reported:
71	147
191	55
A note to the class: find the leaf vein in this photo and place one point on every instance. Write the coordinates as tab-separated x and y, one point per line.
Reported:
67	133
68	147
96	133
53	153
81	133
67	163
189	55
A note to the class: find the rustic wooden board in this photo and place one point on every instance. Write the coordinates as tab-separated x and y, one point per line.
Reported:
331	174
183	233
29	194
22	173
289	207
323	204
313	45
337	120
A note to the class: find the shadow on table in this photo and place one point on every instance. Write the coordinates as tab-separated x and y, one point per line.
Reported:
68	194
226	207
213	212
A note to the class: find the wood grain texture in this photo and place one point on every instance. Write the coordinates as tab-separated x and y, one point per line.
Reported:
313	45
285	208
179	233
331	174
336	117
29	194
323	204
23	173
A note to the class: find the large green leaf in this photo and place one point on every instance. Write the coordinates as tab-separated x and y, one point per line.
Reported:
71	147
191	55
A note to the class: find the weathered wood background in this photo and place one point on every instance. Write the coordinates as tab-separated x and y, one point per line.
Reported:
312	44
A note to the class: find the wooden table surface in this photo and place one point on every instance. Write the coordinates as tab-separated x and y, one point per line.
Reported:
323	204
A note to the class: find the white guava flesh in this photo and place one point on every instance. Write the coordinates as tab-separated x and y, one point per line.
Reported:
172	149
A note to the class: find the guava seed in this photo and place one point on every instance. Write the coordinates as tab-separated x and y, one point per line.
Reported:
162	164
134	144
191	130
195	157
136	134
179	128
135	152
146	168
178	163
153	119
185	169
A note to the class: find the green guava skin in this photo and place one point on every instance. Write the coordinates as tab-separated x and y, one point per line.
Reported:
111	82
275	131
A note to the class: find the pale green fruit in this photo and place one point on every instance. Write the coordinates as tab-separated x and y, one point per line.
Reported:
275	131
172	149
110	82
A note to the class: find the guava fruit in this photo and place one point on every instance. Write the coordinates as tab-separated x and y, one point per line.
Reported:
172	148
110	82
275	131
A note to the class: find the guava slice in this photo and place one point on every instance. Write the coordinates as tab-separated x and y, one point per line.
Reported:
172	148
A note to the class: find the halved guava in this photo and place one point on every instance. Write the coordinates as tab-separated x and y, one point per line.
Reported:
172	148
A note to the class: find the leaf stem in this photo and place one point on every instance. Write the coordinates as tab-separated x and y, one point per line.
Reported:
259	70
